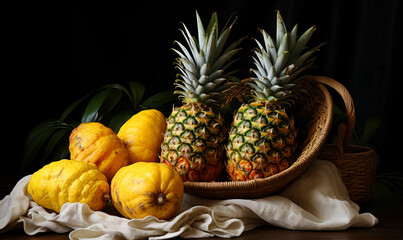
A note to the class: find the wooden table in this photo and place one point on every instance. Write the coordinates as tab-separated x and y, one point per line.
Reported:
390	225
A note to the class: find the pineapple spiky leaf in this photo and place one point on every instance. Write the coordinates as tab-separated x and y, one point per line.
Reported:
204	62
278	63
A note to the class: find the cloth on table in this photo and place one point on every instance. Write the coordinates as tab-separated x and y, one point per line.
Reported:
317	200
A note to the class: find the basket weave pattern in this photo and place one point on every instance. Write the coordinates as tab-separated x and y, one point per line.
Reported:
318	109
357	164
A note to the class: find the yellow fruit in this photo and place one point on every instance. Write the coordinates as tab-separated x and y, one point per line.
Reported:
94	143
142	135
69	181
147	188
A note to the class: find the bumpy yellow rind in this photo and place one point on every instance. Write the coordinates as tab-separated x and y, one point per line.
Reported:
95	143
147	188
69	181
142	135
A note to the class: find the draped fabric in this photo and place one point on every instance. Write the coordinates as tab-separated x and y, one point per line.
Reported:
317	200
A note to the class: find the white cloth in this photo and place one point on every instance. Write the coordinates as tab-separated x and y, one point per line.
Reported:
317	200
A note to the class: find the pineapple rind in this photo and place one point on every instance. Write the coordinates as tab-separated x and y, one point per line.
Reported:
262	141
193	142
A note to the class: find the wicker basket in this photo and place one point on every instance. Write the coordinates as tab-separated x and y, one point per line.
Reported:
317	110
357	164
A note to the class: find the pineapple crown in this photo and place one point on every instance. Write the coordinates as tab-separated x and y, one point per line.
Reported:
204	63
279	62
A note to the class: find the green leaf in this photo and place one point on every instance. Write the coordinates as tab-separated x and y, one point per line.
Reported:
158	100
213	22
387	184
119	118
371	128
73	106
231	21
200	31
101	104
137	91
35	142
61	149
382	193
91	111
61	133
281	29
234	79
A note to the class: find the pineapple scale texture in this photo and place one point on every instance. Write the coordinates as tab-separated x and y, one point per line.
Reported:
262	142
193	142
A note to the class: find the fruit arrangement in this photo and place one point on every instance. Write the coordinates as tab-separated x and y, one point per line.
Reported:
100	157
150	157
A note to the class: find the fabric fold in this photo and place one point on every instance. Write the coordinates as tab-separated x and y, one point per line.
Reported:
317	200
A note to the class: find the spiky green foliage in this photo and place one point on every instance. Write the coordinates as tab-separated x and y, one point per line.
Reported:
279	61
204	62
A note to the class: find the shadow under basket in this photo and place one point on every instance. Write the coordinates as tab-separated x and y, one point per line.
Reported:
317	111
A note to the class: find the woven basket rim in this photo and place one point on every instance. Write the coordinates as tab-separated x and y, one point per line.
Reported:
288	174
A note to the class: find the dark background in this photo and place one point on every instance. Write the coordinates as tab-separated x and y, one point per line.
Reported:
56	53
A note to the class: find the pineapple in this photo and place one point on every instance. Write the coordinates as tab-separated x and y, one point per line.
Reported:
262	139
194	140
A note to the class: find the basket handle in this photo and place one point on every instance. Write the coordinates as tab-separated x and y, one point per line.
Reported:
345	132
